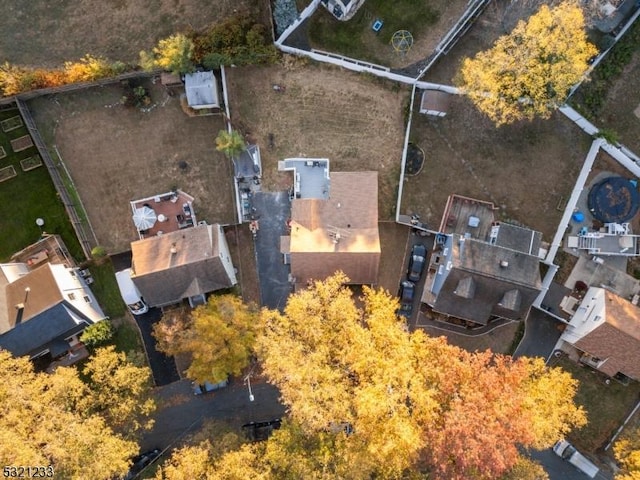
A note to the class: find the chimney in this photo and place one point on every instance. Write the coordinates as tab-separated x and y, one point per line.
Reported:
504	264
173	249
19	312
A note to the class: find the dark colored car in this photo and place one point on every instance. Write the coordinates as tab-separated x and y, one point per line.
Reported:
257	431
416	262
206	387
407	290
140	462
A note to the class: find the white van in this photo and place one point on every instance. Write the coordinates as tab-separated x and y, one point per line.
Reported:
130	293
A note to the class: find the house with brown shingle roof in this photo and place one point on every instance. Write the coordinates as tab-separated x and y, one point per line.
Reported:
605	330
481	269
334	223
185	264
44	310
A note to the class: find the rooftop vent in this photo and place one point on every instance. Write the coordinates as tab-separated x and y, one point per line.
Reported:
173	249
504	264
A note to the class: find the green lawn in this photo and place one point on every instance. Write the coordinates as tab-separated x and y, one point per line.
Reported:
28	196
606	405
355	38
105	288
127	339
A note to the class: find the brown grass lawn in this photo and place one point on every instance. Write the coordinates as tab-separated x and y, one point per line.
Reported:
47	33
352	119
115	154
622	100
525	168
606	405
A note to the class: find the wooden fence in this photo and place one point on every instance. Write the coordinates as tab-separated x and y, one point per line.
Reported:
86	242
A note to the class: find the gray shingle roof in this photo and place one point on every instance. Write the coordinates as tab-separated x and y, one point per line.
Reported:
178	265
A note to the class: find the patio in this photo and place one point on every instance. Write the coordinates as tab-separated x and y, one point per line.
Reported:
50	248
160	214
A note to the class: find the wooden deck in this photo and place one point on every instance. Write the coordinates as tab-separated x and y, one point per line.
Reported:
174	212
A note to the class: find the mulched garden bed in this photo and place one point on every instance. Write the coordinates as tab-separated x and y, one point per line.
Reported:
21	143
31	163
7	172
415	159
11	123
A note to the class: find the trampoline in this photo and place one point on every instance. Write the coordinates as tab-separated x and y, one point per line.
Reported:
614	200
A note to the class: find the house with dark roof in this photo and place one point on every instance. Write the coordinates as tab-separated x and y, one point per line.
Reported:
481	269
605	332
334	223
44	310
185	264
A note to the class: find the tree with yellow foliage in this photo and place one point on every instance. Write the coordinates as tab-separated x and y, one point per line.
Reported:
220	338
46	419
174	53
627	452
368	399
408	399
528	73
120	391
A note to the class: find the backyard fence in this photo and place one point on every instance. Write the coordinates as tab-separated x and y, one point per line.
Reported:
72	87
473	11
86	242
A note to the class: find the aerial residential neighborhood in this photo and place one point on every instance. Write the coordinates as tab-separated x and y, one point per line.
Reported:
331	239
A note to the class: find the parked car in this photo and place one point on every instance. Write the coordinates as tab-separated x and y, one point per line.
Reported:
130	293
407	290
140	462
257	431
568	452
417	261
206	387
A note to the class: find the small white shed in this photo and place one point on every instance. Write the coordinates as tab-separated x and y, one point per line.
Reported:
435	102
202	90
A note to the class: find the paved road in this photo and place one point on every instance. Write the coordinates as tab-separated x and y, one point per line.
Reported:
163	367
273	210
541	335
183	412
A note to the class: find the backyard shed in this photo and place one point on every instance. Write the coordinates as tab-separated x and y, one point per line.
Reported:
435	102
202	90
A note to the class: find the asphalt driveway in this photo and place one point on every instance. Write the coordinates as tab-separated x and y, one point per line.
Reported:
272	211
163	367
542	332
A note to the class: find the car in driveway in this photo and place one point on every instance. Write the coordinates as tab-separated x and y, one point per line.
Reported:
142	461
258	431
568	452
417	261
206	387
407	292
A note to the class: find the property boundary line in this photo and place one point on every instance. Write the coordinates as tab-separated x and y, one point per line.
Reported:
76	222
73	185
